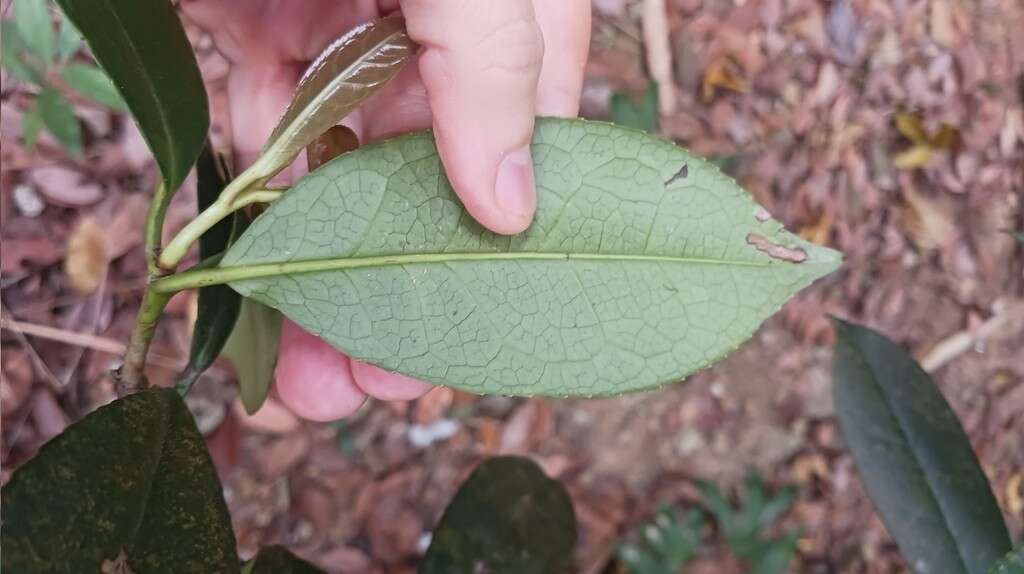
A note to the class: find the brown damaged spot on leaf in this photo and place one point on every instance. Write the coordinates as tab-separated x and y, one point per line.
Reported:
682	173
793	255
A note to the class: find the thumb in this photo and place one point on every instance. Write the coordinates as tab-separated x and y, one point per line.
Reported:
480	68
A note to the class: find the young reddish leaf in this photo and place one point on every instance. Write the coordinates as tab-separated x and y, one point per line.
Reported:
143	48
914	458
507	517
350	70
130	486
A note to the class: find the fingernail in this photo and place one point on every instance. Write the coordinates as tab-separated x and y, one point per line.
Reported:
513	189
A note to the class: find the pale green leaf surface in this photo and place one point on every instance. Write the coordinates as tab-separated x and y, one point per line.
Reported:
31	125
36	27
252	350
69	41
94	84
637	271
59	118
12	52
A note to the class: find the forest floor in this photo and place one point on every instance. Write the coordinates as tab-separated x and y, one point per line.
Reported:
797	99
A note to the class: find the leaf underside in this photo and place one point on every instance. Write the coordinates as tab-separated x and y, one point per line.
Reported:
643	264
914	458
133	481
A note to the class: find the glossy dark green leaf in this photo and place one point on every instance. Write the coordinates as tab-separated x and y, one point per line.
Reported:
1012	563
130	482
641	113
252	349
278	560
59	118
36	27
350	70
143	48
218	305
94	84
507	517
914	458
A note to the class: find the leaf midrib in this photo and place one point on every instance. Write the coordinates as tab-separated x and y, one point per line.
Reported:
905	433
231	273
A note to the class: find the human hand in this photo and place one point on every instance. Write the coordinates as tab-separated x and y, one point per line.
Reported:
486	69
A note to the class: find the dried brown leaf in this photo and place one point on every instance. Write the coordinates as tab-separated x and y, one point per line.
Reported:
86	261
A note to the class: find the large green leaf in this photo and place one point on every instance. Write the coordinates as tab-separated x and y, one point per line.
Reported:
507	517
218	305
1012	563
644	264
278	560
350	70
914	458
142	46
131	486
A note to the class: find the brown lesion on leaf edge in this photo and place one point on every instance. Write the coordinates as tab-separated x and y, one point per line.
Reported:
776	251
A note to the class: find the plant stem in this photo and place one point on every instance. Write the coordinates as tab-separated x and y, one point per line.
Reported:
154	227
239	188
131	377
